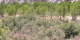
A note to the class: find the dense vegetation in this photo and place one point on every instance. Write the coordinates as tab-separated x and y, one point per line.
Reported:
31	22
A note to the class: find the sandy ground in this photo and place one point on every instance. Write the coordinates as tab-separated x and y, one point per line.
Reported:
66	17
56	17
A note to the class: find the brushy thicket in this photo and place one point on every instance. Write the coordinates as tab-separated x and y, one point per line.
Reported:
69	29
30	27
19	22
38	29
4	31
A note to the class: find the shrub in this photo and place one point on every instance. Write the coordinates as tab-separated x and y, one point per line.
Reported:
4	31
58	34
54	33
57	22
18	22
77	24
76	37
44	23
69	29
47	24
41	36
49	33
39	22
29	17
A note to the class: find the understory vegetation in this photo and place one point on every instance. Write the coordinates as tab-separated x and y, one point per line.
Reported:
29	21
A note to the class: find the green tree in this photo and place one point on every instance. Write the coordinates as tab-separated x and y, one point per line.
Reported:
62	10
25	8
2	9
52	10
10	10
16	7
30	9
41	10
59	11
44	10
74	10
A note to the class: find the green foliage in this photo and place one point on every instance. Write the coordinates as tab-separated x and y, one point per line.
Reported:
52	10
47	24
25	8
10	10
29	25
41	10
39	22
69	29
54	33
49	33
74	10
16	7
26	3
18	22
2	9
30	9
58	34
62	9
4	31
44	23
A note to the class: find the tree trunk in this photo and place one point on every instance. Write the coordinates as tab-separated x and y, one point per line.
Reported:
16	12
60	18
63	19
73	18
2	15
51	19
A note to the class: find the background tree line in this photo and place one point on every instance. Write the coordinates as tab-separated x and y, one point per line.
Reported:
41	8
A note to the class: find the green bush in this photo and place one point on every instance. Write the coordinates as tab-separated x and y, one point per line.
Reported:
47	24
29	17
57	22
18	22
44	23
54	33
58	34
49	33
69	29
39	22
41	36
4	31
